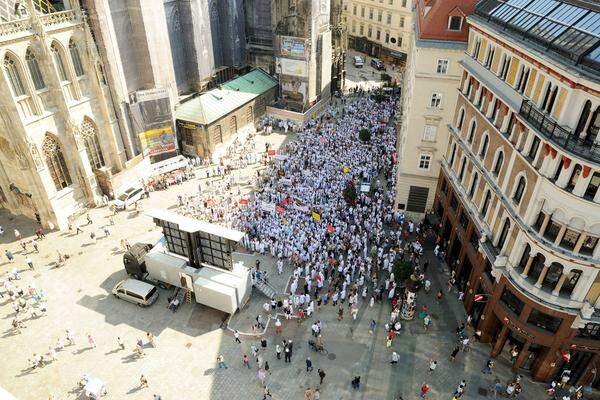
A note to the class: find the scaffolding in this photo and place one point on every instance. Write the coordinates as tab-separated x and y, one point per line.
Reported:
11	10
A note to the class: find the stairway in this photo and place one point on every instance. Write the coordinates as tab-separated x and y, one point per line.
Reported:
265	288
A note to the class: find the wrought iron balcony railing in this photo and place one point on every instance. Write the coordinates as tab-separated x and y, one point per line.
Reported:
559	135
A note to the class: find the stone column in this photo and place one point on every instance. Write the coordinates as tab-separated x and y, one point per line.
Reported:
560	283
545	224
465	85
560	235
538	284
565	175
500	341
521	357
527	266
579	243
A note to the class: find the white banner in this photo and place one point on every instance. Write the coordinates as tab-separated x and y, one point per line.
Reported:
300	208
268	207
286	181
293	67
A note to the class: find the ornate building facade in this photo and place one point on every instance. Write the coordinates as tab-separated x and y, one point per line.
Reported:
59	139
519	188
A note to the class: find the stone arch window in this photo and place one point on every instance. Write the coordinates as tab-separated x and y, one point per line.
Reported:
521	185
89	132
574	177
552	276
473	185
537	267
503	234
484	146
13	75
59	62
498	163
452	155
463	167
486	203
570	282
461	119
77	64
56	162
524	258
472	129
34	70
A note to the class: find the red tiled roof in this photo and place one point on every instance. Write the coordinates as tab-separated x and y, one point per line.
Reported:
433	24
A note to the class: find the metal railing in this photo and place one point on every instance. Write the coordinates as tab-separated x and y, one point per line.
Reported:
559	135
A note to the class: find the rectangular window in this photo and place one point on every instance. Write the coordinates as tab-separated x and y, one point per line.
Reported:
455	23
389	19
539	221
436	100
463	220
370	32
544	321
552	231
474	240
362	11
401	22
399	41
370	13
453	204
403	3
378	35
379	15
391	2
589	245
353	26
512	302
442	67
429	133
417	199
534	148
362	30
354	9
425	161
590	330
387	37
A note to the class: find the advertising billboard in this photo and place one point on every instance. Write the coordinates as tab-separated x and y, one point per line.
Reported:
293	90
291	46
153	122
293	67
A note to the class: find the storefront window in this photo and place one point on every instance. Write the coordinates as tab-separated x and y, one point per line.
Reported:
544	321
590	331
511	301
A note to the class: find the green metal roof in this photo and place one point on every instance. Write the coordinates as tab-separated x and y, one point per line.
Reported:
217	103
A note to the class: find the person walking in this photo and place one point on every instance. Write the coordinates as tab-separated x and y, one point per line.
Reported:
120	343
424	390
454	353
278	351
309	366
432	365
221	361
150	338
487	367
29	262
106	231
278	328
395	358
246	361
91	341
143	382
35	246
9	255
89	219
236	336
322	375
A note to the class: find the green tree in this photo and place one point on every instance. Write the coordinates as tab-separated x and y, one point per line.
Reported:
349	193
403	270
364	134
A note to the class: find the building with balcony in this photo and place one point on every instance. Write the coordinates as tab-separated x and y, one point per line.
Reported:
59	138
431	78
380	29
518	189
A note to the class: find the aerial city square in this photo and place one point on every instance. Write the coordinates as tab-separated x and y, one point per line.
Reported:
299	199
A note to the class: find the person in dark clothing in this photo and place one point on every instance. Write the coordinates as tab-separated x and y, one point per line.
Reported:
321	376
454	353
356	382
309	366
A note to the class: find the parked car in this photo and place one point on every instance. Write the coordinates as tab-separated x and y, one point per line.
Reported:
377	64
358	62
128	197
141	293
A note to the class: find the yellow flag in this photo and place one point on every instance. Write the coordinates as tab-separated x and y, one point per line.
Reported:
346	170
316	216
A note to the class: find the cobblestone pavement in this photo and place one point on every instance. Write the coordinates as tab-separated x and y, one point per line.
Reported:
183	363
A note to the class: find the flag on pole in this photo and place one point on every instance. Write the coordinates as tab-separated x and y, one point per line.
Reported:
316	216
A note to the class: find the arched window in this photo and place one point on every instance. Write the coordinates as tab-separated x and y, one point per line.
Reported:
13	75
34	70
56	162
486	203
520	190
574	177
552	276
233	124
499	162
452	155
58	61
461	119
570	282
503	234
525	257
76	59
471	133
92	144
473	185
463	167
484	146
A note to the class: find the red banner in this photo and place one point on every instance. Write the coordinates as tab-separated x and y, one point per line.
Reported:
280	210
271	153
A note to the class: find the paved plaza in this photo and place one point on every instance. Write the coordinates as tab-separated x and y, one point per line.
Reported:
182	363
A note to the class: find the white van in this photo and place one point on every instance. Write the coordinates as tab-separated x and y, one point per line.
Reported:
358	62
128	197
141	293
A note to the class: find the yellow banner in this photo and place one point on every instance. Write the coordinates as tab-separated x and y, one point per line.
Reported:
316	216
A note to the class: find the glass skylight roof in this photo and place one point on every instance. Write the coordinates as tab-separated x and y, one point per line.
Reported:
560	27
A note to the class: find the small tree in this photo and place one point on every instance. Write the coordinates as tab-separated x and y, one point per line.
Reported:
403	270
386	78
364	134
349	193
